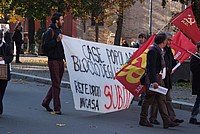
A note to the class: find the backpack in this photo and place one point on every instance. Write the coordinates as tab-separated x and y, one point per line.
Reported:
41	50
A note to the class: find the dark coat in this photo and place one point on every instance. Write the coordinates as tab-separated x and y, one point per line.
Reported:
17	37
170	62
195	69
53	49
153	63
7	37
6	53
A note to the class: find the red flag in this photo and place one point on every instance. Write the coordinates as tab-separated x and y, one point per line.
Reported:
182	47
186	22
129	75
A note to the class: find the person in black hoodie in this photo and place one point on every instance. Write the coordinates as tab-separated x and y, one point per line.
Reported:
55	53
6	56
17	38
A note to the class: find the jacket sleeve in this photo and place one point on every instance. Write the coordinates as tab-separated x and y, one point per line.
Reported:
8	56
151	61
195	65
50	43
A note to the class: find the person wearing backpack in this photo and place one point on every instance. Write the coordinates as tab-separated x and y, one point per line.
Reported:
54	50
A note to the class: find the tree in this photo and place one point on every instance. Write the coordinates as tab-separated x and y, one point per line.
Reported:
36	10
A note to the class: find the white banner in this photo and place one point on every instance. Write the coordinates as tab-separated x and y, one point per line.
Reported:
91	68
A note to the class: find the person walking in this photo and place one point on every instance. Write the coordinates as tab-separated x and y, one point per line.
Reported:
155	65
55	53
6	57
17	38
170	62
195	69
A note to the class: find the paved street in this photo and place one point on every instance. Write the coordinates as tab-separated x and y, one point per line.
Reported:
23	114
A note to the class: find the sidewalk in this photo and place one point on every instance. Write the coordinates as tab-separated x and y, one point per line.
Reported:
34	68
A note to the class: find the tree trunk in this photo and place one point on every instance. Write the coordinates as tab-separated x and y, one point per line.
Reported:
31	33
96	32
118	32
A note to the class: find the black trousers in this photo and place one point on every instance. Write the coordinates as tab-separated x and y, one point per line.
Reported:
18	49
3	85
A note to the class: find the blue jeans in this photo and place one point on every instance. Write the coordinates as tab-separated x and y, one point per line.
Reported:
195	109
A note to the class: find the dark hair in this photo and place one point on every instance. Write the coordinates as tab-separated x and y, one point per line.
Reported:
55	16
160	38
142	35
198	45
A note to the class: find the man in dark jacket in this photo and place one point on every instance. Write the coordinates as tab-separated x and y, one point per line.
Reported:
170	62
55	52
17	38
6	56
155	65
195	69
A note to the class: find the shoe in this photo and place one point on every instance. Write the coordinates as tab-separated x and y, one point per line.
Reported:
178	121
18	62
145	123
47	108
155	122
58	112
171	124
194	121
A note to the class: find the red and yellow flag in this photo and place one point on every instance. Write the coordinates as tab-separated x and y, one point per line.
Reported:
129	75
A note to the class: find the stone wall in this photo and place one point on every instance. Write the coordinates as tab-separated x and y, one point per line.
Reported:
136	20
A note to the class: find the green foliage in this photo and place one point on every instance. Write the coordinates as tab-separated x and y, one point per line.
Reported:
38	9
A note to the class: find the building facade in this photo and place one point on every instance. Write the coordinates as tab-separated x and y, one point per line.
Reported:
136	20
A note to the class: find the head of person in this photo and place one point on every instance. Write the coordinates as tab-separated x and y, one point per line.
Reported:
57	19
18	26
1	36
161	40
198	47
142	37
169	38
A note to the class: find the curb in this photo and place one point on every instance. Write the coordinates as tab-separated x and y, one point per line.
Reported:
37	79
176	104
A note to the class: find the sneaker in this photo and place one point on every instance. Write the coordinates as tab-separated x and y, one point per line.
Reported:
194	121
47	107
58	112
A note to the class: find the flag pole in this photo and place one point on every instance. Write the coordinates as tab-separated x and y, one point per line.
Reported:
162	27
193	54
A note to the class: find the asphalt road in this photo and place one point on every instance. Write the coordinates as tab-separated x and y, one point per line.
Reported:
23	114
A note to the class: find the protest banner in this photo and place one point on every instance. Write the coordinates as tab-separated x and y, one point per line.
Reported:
92	67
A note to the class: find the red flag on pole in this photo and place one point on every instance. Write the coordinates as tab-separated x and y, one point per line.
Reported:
129	75
186	22
182	47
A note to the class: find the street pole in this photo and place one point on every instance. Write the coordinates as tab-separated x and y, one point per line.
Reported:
150	18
